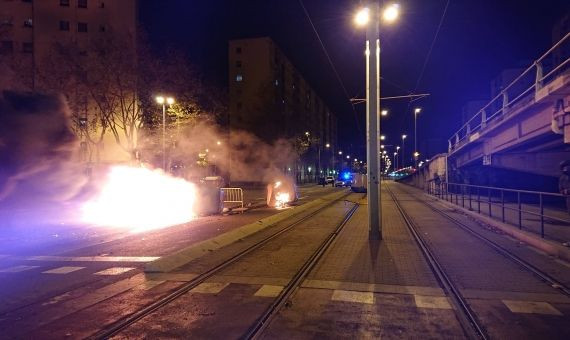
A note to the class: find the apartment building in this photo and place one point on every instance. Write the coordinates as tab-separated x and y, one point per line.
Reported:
270	98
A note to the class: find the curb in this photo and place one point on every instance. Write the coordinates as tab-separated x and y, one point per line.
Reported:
175	260
549	247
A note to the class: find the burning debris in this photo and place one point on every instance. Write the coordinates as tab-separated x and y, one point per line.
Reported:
141	199
281	192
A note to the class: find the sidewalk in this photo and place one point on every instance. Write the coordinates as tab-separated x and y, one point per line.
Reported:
370	289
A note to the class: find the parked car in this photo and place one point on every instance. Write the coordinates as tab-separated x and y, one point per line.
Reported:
329	180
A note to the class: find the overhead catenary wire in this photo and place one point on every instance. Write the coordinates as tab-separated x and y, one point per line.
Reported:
331	64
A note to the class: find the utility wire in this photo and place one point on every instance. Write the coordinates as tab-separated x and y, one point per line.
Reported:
331	64
431	47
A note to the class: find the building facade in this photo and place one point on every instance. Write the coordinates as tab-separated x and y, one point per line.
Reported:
30	30
270	98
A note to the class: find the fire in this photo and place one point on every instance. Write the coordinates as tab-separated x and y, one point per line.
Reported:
140	199
281	199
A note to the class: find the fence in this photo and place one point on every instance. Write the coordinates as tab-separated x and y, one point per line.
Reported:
518	93
232	195
511	206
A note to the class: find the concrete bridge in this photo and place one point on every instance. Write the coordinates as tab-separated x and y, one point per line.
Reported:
525	128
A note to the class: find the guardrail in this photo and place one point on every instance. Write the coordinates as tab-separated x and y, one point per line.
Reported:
232	195
544	70
548	207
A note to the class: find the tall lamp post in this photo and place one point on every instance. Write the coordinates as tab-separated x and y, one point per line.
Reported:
163	101
417	110
370	17
397	158
404	150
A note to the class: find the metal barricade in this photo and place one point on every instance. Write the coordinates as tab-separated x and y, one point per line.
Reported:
232	195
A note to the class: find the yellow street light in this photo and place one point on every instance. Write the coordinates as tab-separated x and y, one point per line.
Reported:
417	110
219	143
382	137
416	154
160	100
327	145
307	133
391	13
362	17
384	112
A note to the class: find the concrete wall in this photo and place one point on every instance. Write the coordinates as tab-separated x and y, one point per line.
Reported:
434	170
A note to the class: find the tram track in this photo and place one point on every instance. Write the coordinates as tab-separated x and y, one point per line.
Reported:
255	330
467	317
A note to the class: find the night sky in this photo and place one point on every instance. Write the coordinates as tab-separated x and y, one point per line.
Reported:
477	40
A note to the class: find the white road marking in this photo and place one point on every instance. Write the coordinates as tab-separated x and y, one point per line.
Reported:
150	284
63	270
114	271
562	262
93	258
17	269
209	288
268	291
437	302
531	307
349	296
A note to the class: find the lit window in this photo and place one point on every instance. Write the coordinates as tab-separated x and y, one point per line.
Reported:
82	27
64	3
239	77
64	25
82	3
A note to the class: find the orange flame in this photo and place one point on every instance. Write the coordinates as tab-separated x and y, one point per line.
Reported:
140	199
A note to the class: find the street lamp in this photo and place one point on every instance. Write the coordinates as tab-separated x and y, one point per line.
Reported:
340	152
404	150
384	112
163	101
370	17
397	158
417	110
382	137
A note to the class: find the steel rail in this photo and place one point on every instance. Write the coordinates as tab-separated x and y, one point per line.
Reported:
466	317
552	282
121	324
271	312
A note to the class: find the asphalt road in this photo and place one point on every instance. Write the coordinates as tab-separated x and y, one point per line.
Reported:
42	264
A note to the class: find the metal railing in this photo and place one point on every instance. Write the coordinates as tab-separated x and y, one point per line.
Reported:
518	93
524	203
232	195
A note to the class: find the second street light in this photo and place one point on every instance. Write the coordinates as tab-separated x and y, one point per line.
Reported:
404	150
164	101
417	110
370	17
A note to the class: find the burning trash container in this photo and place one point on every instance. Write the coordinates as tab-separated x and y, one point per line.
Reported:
281	192
210	200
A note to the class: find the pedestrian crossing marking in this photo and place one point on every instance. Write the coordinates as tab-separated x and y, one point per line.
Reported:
114	271
436	302
17	269
269	291
209	288
63	270
531	307
350	296
93	258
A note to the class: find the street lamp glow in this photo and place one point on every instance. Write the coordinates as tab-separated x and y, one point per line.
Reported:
307	133
417	110
219	143
356	159
347	156
170	100
397	148
404	136
391	12
340	152
416	154
328	145
384	112
160	100
382	146
382	137
362	17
